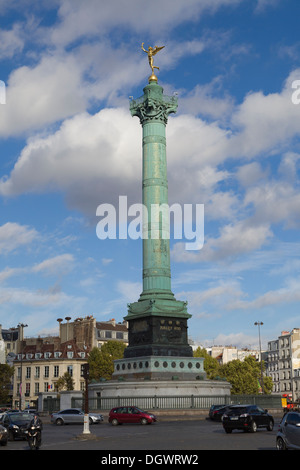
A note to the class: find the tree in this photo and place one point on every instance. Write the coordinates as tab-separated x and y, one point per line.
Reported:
65	382
244	376
94	361
211	365
6	373
101	361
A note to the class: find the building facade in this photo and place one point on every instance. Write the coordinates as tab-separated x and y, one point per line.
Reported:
284	363
225	354
39	366
40	362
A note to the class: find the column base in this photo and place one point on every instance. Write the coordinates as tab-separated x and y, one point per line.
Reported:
158	327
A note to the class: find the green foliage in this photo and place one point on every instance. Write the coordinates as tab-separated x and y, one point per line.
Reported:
65	382
211	365
101	361
6	373
245	376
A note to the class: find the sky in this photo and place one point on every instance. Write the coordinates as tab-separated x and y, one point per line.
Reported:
68	144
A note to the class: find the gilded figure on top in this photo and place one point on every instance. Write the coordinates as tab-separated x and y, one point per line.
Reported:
151	52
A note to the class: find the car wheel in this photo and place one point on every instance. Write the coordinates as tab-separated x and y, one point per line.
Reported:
228	430
91	421
280	444
114	422
144	421
253	426
270	426
59	422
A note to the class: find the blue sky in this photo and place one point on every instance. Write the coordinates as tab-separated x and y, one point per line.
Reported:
68	144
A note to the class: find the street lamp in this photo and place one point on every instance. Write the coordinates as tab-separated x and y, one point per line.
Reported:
259	324
21	326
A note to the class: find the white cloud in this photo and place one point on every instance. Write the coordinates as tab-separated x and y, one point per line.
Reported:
89	158
216	297
265	122
13	236
239	340
130	291
234	240
59	265
262	5
9	272
93	18
41	95
284	295
11	42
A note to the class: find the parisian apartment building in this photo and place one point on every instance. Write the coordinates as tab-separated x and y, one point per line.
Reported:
40	361
283	364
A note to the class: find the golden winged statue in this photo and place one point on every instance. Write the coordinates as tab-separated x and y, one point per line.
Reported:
151	52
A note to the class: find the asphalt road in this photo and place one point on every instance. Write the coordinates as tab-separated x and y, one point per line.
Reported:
174	436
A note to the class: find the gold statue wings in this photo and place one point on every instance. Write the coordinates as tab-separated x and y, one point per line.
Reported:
157	49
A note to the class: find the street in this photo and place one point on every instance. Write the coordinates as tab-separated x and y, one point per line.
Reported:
182	435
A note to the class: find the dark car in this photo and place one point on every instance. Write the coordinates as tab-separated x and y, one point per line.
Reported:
288	436
247	417
3	435
216	412
16	424
130	414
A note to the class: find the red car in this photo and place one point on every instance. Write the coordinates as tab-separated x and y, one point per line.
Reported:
130	414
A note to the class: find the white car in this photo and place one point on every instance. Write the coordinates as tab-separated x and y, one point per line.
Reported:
74	416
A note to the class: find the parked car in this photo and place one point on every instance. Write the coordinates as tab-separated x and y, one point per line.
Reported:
16	424
74	416
31	411
130	414
247	417
288	435
216	412
3	435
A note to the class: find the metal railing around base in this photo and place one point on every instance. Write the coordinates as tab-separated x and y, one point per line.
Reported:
179	402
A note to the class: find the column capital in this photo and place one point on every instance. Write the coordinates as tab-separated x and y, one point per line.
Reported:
153	105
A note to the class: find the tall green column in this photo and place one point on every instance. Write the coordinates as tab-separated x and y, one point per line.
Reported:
153	112
157	321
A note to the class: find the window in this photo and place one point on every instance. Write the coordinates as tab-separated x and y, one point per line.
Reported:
70	370
293	418
28	372
37	372
46	371
56	371
36	388
108	334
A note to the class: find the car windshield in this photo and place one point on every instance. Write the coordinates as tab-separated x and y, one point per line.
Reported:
20	417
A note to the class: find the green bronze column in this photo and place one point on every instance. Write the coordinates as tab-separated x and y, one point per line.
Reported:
153	110
157	321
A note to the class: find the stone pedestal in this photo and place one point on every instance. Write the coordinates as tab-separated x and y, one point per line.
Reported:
159	368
